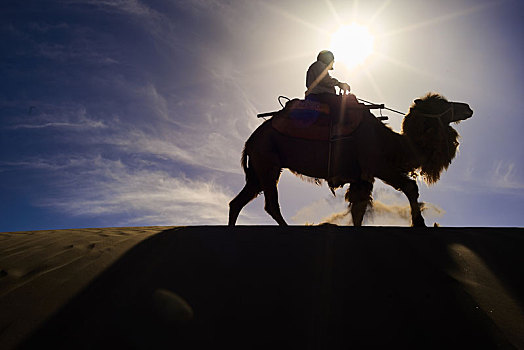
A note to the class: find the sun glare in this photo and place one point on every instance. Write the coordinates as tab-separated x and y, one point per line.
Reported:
352	44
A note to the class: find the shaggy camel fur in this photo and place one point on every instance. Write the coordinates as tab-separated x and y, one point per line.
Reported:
426	146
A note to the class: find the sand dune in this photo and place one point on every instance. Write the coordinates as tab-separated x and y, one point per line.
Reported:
323	287
42	270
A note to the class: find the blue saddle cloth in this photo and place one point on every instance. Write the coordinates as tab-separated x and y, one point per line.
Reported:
311	120
305	113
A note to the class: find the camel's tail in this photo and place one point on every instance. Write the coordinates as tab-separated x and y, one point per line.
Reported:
250	145
243	160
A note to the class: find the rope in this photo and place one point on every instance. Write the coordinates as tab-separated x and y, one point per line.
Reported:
389	109
430	115
279	97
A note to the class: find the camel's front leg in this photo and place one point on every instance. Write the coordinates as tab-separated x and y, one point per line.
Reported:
410	189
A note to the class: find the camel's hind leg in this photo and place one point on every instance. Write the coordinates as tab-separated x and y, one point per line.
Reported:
359	197
249	192
272	207
269	179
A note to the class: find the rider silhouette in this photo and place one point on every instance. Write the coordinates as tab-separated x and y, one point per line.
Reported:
321	86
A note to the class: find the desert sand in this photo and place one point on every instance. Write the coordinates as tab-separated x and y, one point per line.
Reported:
42	270
315	287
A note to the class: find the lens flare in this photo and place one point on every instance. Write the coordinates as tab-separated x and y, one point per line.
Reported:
352	44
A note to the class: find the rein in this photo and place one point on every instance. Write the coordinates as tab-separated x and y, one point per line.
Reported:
389	109
452	109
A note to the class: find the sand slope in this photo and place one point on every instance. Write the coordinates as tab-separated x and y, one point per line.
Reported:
41	270
265	287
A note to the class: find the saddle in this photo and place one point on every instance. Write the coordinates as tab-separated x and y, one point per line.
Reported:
314	121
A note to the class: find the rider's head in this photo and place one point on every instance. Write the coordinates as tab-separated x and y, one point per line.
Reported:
326	57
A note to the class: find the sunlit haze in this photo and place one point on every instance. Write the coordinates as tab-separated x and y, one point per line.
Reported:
352	44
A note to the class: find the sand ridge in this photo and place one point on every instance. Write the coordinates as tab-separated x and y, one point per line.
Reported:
255	287
42	270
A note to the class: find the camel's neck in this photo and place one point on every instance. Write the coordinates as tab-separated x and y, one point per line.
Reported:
432	148
414	154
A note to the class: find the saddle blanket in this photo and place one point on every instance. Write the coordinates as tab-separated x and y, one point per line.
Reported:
312	120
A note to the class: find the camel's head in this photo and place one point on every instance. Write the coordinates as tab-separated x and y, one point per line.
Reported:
436	106
427	126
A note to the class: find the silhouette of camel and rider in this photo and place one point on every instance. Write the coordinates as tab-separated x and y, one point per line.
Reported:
347	144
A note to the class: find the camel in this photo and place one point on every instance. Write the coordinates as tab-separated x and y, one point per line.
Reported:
425	147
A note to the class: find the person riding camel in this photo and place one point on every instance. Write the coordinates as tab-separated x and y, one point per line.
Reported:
321	86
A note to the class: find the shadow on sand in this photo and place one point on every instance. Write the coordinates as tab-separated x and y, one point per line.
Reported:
303	288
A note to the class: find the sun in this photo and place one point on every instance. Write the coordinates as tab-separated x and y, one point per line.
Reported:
352	44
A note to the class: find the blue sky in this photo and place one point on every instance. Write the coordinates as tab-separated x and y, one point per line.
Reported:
134	113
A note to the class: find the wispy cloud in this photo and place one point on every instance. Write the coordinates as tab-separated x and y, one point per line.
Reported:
142	196
56	116
505	176
78	51
87	124
99	187
134	7
57	164
154	22
136	188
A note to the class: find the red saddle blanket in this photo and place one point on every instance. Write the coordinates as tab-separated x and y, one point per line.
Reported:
312	120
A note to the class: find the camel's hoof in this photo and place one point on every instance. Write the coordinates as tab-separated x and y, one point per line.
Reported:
419	222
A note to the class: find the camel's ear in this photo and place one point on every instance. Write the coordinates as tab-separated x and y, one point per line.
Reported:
417	101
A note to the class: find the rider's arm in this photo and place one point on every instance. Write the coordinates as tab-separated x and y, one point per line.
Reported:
318	79
326	80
